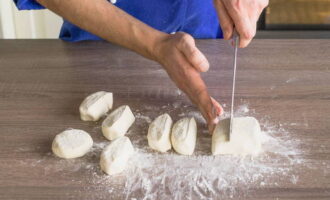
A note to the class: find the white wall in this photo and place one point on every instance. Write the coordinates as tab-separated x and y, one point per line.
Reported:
0	28
34	24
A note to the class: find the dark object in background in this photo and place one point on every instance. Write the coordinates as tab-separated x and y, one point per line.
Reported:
296	15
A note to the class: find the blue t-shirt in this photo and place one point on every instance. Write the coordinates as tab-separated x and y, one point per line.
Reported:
196	17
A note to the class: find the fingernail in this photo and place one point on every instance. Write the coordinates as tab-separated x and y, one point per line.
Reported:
216	120
205	65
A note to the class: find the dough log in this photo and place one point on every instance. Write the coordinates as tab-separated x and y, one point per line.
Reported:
115	156
118	122
184	133
95	106
159	133
244	140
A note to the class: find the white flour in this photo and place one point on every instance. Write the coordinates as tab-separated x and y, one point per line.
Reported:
153	175
202	176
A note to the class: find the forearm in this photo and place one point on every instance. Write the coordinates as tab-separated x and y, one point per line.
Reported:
108	22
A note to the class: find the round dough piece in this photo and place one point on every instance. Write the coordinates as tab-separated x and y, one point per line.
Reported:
95	106
159	133
245	138
72	143
184	133
118	122
115	156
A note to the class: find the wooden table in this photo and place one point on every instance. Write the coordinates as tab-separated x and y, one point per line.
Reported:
42	83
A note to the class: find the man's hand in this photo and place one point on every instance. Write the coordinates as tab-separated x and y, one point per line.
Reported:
241	14
183	62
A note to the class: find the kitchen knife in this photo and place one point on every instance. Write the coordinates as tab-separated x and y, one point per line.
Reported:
236	40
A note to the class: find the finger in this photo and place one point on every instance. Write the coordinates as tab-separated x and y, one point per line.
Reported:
209	110
226	23
209	107
218	111
242	24
194	86
246	34
194	56
218	107
189	80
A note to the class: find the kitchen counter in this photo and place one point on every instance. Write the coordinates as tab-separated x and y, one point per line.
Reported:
285	84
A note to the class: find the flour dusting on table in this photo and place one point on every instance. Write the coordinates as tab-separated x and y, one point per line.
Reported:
153	175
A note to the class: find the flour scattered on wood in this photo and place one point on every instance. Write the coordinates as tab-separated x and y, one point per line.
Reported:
140	116
153	175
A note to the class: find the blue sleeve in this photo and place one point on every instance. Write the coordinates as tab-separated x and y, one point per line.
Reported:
28	5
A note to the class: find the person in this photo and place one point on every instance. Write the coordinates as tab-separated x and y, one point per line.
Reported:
145	26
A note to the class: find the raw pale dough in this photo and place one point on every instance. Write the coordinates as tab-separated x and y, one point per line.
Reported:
115	156
159	133
184	135
118	122
245	137
95	106
72	143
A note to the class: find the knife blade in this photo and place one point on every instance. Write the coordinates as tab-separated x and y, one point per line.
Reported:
236	40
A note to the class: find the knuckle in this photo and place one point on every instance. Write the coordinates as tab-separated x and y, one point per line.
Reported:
193	53
185	40
186	72
249	34
235	4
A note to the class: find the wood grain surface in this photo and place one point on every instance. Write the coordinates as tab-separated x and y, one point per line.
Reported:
42	83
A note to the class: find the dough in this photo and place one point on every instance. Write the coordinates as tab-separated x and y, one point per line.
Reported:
159	133
115	156
72	143
184	135
117	123
245	138
95	106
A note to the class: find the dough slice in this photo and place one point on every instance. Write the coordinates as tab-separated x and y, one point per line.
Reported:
115	156
245	138
72	143
159	133
118	122
95	106
184	135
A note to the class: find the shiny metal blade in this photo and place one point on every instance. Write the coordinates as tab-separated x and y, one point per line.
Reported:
236	40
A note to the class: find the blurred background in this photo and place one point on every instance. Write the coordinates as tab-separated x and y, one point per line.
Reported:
33	24
281	19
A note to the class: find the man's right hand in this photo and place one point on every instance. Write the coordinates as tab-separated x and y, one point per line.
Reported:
184	62
242	15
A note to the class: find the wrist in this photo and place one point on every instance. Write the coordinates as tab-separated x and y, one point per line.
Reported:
155	44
